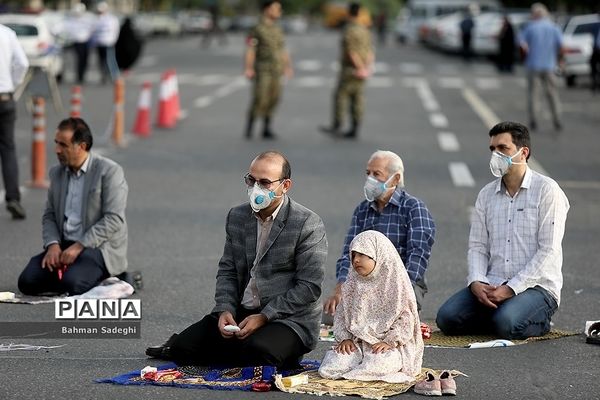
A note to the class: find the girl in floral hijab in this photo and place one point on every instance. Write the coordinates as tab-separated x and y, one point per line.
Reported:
376	325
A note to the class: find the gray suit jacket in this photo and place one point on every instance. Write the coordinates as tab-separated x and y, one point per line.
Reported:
104	201
289	272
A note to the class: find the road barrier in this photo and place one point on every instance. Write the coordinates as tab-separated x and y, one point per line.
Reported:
38	145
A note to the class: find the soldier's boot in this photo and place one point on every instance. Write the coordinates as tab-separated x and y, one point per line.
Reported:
267	132
353	132
335	128
249	126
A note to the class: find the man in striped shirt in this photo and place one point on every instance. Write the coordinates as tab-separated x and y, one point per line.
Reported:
403	218
515	250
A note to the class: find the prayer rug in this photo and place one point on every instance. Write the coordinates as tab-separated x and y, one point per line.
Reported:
346	387
212	378
110	288
438	339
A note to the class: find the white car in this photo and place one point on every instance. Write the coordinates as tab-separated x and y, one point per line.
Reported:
39	44
578	42
488	26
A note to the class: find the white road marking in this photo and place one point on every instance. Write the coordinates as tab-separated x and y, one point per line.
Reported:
381	68
380	81
411	68
487	83
448	141
203	101
451	82
438	120
490	119
310	81
460	174
309	65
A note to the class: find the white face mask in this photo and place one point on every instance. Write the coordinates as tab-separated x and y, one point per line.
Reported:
499	163
261	198
374	189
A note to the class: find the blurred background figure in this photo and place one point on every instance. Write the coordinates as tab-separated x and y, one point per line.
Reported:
78	29
542	44
105	36
506	39
595	62
466	30
128	46
381	25
13	66
215	28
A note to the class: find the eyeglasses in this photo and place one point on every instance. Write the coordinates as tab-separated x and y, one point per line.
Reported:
249	180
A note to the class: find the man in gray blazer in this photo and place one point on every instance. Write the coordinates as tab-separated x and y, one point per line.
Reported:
84	227
269	280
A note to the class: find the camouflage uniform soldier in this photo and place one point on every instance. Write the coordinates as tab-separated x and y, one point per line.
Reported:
265	61
356	60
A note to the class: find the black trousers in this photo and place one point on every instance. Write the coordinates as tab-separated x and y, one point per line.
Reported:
86	272
10	170
81	54
202	344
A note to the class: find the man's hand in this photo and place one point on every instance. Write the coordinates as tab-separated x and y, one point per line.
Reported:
250	324
331	303
71	253
249	72
52	258
346	347
502	293
288	72
226	318
380	347
481	291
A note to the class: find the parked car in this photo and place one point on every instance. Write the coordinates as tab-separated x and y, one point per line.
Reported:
413	20
195	22
39	44
488	26
578	42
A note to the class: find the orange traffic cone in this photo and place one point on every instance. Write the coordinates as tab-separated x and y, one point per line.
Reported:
166	111
142	121
175	95
75	102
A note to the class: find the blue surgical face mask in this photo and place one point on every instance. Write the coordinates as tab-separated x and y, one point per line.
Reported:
261	198
500	163
373	188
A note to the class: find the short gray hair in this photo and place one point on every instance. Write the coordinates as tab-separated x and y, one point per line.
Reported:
539	10
395	164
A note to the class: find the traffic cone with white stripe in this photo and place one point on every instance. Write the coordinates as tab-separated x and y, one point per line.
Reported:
75	102
142	121
175	95
38	145
166	107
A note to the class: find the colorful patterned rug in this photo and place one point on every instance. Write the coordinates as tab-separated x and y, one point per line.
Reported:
212	378
346	387
438	339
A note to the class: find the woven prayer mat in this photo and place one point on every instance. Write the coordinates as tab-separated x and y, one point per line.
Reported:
346	387
438	339
212	378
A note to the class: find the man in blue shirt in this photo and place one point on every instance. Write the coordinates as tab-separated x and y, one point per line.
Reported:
541	42
403	218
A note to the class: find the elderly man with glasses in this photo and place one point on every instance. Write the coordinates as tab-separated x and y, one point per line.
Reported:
269	280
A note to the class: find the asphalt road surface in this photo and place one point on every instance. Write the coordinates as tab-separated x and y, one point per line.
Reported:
432	109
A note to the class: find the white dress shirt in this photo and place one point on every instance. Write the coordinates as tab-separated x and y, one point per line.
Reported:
13	61
517	240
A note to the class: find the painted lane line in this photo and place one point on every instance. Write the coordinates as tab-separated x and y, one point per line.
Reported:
310	81
490	119
203	101
381	68
424	92
451	82
460	174
411	68
380	81
309	65
487	83
448	141
438	120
